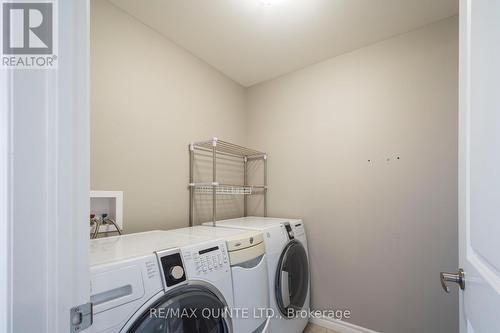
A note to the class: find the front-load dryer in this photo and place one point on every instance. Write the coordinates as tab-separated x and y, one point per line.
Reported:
152	282
249	270
288	265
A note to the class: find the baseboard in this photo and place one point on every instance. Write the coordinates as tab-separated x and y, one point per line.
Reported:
340	326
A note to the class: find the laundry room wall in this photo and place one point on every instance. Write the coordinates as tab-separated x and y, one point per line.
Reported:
150	98
364	148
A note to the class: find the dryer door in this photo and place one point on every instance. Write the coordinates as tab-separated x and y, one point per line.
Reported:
292	279
191	308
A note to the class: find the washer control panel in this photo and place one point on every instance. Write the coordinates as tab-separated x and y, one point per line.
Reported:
208	259
172	266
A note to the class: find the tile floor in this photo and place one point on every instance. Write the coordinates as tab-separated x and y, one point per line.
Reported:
311	328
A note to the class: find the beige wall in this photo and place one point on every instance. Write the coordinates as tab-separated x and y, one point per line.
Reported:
380	231
150	98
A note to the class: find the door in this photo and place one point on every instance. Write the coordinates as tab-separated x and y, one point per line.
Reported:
44	170
186	309
292	279
480	165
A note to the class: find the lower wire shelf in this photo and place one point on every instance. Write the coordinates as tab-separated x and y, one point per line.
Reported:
224	189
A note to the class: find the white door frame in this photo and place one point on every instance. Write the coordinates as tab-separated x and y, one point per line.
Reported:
44	183
5	219
463	181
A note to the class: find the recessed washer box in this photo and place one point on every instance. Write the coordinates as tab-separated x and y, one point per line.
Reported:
107	202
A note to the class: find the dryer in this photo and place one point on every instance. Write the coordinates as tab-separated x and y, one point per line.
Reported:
152	281
288	266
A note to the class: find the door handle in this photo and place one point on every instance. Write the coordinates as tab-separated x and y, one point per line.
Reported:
458	278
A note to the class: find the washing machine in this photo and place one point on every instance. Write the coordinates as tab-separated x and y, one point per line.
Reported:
249	270
288	267
153	282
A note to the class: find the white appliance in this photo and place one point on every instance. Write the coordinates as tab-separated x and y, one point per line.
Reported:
155	282
288	266
249	269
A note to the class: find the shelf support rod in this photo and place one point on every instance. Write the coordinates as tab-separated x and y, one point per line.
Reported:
214	180
245	183
265	185
191	180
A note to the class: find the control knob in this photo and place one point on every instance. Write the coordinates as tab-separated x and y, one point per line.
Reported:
176	272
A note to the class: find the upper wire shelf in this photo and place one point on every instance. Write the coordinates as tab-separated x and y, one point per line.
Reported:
227	148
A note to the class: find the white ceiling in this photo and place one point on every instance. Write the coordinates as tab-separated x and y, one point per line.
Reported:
256	40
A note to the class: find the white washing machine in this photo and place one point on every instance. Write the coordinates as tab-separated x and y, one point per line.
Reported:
249	269
288	266
152	282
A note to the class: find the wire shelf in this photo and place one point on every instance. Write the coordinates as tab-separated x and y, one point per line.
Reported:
227	148
223	189
218	147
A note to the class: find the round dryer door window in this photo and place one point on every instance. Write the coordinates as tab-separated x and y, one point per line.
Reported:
186	309
292	279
